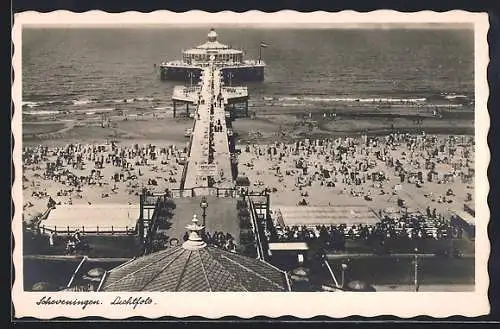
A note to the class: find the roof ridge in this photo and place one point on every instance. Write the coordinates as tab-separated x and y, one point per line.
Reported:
228	272
271	266
183	270
163	268
205	272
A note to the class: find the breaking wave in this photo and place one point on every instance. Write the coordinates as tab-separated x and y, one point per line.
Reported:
78	102
104	109
43	112
84	101
131	100
451	97
350	99
30	104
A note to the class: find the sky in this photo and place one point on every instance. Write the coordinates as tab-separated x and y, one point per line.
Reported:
259	25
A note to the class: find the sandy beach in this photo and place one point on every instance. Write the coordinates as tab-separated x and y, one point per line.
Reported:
160	131
263	171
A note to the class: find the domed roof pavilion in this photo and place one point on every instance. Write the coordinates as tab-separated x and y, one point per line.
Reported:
195	267
212	47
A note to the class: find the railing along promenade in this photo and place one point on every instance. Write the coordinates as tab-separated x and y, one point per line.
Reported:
256	229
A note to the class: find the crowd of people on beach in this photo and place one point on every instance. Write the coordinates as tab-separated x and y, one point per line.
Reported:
361	167
77	166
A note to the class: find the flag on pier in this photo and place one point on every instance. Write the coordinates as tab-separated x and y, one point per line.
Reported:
262	45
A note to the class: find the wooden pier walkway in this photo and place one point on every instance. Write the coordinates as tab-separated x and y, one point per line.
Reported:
209	159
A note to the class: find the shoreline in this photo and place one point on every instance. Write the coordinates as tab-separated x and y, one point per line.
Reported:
261	130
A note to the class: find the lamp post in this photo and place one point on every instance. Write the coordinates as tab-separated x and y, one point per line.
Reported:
344	269
204	206
416	270
190	75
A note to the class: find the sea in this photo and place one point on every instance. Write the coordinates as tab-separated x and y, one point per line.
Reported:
88	69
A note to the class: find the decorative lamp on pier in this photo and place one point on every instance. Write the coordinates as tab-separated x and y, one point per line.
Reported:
204	206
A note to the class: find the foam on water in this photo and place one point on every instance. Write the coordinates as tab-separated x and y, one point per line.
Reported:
455	96
104	109
290	104
30	104
145	99
352	99
41	112
131	100
78	102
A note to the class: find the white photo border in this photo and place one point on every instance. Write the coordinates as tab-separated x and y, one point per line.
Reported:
247	305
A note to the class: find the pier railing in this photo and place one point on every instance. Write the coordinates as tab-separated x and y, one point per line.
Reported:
206	191
154	222
154	198
256	229
220	192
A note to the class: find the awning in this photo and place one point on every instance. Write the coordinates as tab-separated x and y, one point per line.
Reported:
288	246
94	217
327	215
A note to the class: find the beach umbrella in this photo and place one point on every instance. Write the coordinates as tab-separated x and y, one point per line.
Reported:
300	274
94	275
300	279
96	272
360	286
41	286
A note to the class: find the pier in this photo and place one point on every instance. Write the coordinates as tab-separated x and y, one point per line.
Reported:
210	162
235	99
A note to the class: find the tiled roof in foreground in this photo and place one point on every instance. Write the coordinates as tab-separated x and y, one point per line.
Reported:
204	269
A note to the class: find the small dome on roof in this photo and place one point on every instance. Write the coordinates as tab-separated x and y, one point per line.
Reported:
212	35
